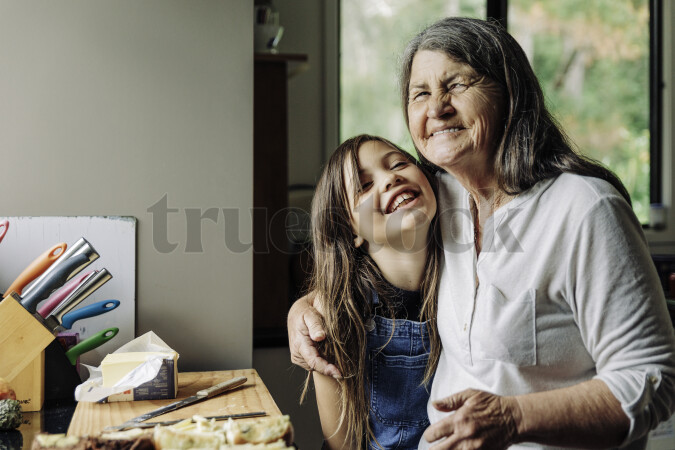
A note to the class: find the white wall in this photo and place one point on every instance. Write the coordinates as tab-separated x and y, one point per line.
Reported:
108	106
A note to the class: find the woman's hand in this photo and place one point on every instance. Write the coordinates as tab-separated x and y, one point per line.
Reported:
480	420
304	329
585	415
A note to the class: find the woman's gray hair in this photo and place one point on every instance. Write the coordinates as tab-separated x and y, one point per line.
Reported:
533	146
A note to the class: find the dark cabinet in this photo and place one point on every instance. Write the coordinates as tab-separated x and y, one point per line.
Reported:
271	284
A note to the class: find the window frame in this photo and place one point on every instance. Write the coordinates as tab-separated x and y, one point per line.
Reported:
656	86
498	10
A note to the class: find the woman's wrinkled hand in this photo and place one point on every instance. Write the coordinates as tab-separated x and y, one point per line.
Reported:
305	328
480	421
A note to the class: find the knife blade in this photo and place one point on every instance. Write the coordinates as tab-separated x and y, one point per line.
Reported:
199	396
36	268
93	310
81	247
92	342
44	288
61	293
173	422
76	297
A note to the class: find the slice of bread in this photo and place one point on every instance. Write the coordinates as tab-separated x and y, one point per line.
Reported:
262	431
63	442
274	432
266	433
169	438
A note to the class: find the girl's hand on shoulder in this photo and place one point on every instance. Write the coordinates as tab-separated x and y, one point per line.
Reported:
480	420
305	327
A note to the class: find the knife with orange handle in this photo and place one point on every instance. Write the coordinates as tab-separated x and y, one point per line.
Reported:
36	268
81	246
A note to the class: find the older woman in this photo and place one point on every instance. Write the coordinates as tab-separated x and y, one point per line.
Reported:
550	312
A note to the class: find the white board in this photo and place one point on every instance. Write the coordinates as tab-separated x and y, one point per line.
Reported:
114	239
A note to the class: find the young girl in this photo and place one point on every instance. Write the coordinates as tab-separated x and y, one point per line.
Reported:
376	269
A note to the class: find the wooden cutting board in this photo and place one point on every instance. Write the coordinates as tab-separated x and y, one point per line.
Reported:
92	418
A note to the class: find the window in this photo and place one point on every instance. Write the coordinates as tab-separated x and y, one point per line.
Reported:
592	59
372	36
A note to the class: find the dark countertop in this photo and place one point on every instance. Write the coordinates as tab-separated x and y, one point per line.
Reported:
53	418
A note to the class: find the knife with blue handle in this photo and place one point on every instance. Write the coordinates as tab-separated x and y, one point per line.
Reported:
53	321
95	309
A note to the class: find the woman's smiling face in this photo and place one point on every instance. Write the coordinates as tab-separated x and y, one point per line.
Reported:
455	115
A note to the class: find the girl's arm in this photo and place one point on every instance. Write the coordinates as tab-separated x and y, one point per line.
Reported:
328	402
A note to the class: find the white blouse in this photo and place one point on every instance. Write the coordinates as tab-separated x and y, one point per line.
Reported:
564	290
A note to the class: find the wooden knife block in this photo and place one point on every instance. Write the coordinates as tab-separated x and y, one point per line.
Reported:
29	385
22	342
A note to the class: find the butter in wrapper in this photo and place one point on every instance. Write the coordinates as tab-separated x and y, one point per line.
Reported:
163	386
143	369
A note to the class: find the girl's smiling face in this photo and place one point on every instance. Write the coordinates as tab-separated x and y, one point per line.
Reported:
392	203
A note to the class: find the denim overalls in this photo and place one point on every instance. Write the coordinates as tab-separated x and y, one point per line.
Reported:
398	400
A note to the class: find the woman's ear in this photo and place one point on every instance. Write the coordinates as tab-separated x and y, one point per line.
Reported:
358	241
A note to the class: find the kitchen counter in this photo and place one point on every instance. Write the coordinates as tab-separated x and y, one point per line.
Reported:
90	418
54	417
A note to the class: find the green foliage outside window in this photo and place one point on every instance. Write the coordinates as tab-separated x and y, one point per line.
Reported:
591	57
373	35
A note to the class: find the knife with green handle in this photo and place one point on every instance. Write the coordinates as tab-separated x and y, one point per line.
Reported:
91	343
199	396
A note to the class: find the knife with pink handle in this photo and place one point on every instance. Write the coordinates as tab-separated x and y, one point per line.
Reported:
63	292
4	225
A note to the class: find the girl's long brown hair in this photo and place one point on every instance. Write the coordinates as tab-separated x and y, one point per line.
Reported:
344	278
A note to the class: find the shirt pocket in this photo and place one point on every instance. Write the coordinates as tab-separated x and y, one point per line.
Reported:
397	395
504	329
